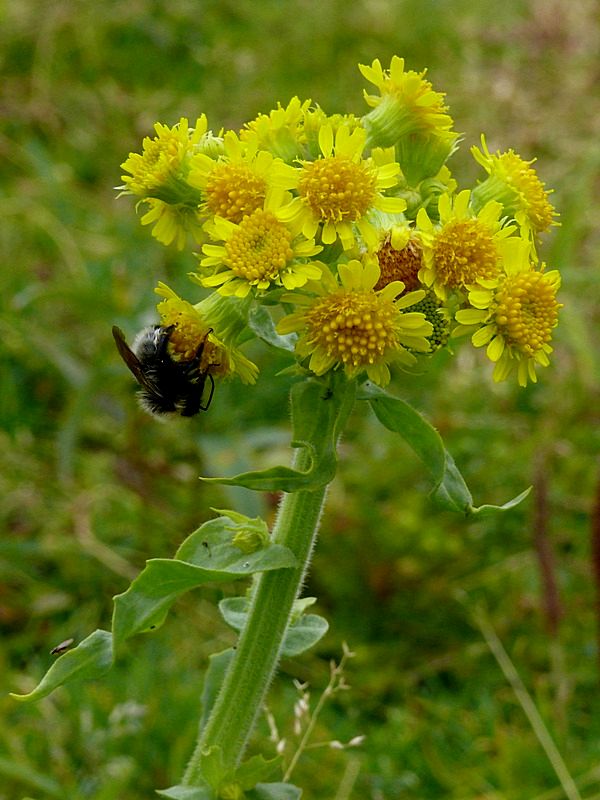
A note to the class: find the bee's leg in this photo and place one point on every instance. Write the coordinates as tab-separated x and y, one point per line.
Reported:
206	405
198	357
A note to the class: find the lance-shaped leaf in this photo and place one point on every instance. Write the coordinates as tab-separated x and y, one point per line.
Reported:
450	489
92	658
303	631
318	414
261	323
187	793
207	556
274	791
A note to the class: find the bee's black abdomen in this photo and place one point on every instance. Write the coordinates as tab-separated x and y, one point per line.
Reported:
167	386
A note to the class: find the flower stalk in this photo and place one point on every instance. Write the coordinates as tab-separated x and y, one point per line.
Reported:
247	680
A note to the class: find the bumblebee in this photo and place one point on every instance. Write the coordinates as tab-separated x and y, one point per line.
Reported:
167	386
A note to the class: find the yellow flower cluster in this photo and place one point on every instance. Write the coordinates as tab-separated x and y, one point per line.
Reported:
351	235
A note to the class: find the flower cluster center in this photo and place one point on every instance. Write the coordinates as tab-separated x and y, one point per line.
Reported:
354	328
465	251
527	311
233	191
259	248
338	189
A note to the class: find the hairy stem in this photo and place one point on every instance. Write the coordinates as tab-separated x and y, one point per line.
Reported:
247	680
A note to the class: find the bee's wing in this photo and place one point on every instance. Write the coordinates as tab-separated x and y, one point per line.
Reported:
132	361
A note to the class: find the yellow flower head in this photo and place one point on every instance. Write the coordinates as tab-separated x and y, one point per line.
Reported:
259	252
236	183
315	118
281	131
514	183
160	171
173	223
465	248
337	191
190	325
515	319
406	104
189	330
344	323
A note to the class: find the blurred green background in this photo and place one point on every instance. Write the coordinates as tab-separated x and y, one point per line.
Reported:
90	487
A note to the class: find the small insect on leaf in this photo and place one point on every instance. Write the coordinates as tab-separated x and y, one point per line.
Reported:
60	648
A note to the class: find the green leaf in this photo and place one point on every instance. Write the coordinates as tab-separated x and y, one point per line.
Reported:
450	490
400	417
261	323
212	768
217	778
487	510
206	556
302	633
186	793
213	680
318	414
275	791
92	658
255	769
453	493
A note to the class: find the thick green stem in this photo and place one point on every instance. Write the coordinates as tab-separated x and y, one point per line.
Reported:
247	680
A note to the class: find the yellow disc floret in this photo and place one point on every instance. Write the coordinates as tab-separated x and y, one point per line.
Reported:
233	190
526	311
465	247
534	198
338	189
257	252
353	329
161	167
260	248
464	251
189	331
344	323
514	183
514	320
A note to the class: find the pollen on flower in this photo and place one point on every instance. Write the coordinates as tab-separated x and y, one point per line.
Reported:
399	265
260	248
188	331
233	190
337	188
527	311
354	329
464	251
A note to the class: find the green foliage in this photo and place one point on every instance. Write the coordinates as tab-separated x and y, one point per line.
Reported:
311	412
304	631
90	659
450	489
90	488
207	556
